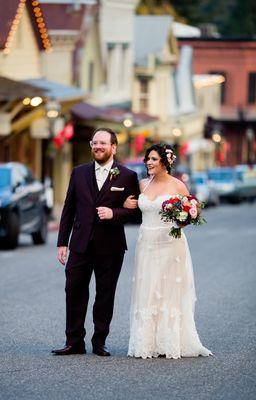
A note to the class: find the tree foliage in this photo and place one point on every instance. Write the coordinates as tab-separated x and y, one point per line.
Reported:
232	17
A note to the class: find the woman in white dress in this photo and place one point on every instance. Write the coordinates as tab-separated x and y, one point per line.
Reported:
163	297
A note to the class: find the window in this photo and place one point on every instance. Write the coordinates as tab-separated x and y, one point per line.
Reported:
144	86
252	87
223	85
143	94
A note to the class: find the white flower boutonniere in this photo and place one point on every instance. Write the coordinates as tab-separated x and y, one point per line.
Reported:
113	173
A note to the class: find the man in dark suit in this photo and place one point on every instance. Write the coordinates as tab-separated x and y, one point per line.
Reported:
94	210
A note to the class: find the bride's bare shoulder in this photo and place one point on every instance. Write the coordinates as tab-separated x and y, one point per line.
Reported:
180	186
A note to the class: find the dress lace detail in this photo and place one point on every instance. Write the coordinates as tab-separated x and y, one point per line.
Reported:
163	296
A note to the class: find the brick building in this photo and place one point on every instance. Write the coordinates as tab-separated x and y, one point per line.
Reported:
234	58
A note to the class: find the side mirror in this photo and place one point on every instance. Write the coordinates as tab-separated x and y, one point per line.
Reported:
17	187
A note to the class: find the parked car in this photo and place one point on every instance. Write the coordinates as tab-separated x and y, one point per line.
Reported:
225	180
137	166
23	207
246	178
204	190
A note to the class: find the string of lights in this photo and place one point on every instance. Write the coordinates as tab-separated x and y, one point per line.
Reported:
40	24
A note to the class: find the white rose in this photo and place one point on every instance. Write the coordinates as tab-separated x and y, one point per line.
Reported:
183	215
194	202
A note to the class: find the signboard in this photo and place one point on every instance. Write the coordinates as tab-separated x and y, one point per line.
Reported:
5	124
40	129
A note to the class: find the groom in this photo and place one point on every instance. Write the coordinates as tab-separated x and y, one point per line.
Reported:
94	212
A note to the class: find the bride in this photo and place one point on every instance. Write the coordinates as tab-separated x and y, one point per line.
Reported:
163	296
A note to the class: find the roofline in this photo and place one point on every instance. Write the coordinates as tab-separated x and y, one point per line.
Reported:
219	39
67	32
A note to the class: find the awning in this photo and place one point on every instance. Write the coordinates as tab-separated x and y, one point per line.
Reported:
56	90
85	111
11	90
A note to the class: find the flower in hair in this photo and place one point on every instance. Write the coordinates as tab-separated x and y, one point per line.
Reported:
170	156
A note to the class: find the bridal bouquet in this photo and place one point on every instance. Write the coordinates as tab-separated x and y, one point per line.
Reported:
182	210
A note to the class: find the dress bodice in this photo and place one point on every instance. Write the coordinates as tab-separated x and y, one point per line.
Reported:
150	211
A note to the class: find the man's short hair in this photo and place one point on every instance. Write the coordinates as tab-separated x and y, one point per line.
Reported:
113	137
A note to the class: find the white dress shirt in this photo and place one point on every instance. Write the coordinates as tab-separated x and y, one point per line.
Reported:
101	172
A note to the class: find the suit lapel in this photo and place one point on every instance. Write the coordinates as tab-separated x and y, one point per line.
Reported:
91	180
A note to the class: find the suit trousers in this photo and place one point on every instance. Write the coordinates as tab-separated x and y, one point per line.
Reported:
79	268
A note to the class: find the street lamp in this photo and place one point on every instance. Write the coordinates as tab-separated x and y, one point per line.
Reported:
217	138
52	108
128	123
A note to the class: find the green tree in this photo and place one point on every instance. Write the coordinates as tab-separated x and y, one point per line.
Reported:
242	20
232	17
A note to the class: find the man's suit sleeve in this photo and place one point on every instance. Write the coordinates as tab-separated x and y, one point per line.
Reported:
123	215
68	214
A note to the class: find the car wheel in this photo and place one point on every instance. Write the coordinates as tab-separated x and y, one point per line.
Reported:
40	237
10	241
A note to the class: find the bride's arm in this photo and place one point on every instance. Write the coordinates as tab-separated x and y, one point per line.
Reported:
182	188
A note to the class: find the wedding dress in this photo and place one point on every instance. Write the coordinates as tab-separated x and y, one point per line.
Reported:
163	295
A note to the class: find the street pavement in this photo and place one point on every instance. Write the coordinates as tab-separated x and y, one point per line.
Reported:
32	318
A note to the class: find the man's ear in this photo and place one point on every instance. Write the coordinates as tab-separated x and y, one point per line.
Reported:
114	149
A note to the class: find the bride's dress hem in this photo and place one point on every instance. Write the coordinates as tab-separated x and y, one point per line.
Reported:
203	352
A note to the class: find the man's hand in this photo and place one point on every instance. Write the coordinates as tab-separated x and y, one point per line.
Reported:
62	254
104	213
130	202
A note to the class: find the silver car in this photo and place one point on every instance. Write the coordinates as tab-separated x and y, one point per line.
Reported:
204	190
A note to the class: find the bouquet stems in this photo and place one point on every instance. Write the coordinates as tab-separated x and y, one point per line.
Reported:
175	232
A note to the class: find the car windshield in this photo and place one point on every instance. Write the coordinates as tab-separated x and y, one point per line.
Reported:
140	169
199	180
221	176
5	177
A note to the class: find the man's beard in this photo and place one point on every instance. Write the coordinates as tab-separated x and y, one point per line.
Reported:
102	157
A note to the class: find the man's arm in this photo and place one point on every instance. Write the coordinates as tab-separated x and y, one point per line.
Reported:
68	214
123	215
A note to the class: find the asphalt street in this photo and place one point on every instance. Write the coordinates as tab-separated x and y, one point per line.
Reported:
32	318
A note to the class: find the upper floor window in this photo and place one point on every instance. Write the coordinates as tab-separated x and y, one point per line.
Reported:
252	88
223	85
143	94
144	86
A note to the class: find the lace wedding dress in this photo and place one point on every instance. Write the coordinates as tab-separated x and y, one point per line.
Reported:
163	296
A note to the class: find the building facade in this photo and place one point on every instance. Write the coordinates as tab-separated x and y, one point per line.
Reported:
234	59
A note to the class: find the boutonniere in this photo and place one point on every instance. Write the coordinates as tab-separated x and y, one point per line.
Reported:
113	173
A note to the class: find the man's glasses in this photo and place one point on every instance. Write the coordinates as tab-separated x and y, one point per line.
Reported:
94	143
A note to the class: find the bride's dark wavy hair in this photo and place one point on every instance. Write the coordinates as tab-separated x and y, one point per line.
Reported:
161	148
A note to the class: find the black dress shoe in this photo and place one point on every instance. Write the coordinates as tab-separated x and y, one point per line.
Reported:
101	351
68	350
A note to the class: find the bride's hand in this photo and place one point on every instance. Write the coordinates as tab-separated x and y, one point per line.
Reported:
130	202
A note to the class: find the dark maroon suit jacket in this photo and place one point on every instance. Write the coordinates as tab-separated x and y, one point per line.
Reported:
79	213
